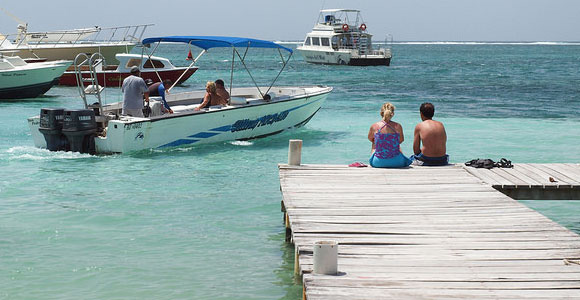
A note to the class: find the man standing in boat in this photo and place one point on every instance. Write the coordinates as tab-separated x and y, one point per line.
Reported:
432	135
134	89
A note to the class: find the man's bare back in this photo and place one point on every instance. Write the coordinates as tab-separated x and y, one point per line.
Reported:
431	134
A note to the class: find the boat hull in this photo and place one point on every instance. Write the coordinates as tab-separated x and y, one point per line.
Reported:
69	52
343	58
214	125
380	61
27	91
115	78
30	82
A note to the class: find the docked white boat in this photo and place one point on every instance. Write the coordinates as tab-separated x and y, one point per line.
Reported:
252	112
340	37
67	44
23	80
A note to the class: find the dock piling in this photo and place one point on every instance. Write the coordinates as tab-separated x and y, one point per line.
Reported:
295	152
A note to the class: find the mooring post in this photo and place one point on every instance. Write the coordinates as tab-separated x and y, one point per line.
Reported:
295	152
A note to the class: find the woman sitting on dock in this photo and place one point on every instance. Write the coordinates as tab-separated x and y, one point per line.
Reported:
386	137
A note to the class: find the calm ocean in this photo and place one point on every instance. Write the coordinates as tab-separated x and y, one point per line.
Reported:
204	222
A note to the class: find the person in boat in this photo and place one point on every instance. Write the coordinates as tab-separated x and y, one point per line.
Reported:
386	137
221	90
430	138
159	89
211	97
134	89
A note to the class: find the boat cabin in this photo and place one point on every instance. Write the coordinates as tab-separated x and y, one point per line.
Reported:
126	61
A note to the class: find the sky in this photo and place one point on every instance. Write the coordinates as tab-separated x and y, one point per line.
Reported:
405	20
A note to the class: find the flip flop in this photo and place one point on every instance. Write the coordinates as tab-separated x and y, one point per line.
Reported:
357	165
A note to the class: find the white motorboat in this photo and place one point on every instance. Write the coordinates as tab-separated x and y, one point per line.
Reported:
340	37
252	112
66	44
23	80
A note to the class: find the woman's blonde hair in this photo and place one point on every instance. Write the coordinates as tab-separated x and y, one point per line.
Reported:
387	111
211	86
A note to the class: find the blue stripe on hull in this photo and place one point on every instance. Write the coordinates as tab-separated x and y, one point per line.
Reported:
28	91
227	128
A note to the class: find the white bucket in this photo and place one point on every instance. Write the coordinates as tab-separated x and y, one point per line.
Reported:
326	257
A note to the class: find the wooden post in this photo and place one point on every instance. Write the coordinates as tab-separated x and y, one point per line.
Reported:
297	271
288	228
295	152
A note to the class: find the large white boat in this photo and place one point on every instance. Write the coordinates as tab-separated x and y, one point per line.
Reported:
66	44
340	37
252	112
19	79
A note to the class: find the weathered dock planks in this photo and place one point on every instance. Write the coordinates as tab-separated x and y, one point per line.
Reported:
534	181
431	232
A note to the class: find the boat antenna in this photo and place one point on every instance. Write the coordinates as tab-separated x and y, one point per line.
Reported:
14	17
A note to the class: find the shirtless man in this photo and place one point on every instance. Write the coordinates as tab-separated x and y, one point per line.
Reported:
432	135
220	89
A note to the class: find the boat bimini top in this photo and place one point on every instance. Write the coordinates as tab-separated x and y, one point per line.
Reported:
208	42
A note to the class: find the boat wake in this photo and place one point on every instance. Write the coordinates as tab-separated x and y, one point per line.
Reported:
241	143
33	153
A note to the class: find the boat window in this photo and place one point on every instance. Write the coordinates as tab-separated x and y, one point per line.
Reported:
133	62
325	42
307	41
316	41
151	63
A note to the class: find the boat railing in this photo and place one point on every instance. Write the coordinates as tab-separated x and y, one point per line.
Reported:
93	62
122	35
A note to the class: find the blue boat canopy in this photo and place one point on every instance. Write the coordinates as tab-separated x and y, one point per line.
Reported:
207	42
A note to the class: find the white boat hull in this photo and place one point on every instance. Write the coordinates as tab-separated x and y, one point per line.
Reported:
256	119
32	80
326	57
343	57
70	51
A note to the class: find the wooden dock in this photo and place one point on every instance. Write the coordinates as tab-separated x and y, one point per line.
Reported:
431	232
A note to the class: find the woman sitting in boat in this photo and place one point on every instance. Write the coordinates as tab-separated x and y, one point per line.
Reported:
211	98
386	137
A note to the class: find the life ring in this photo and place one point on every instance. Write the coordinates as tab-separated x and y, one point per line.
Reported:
363	27
344	27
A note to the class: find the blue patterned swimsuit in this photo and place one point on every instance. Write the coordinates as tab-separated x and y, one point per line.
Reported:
387	151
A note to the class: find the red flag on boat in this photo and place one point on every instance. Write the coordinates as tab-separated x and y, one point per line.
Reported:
189	56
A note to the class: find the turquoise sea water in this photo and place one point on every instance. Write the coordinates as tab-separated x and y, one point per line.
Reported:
204	222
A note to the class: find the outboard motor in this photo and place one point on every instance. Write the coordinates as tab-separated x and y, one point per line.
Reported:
51	120
79	127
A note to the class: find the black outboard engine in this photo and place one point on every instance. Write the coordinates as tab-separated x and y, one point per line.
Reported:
79	127
51	120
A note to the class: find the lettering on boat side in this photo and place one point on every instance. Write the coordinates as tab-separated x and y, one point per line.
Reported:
246	124
133	126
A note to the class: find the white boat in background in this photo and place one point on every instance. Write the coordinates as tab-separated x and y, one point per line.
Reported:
58	36
19	79
340	37
66	44
251	112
